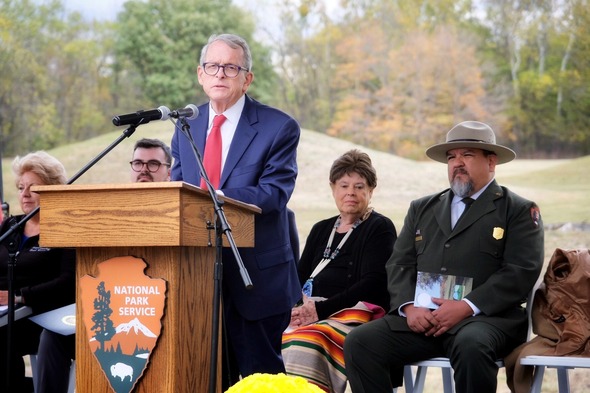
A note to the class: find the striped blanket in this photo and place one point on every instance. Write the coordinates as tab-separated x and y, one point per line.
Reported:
315	352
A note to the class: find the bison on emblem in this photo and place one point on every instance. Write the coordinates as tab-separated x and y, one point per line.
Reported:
122	371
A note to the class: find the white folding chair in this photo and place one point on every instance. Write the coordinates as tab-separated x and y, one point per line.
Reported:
415	384
72	381
561	363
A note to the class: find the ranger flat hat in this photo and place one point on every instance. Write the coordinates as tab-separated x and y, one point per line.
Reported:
471	134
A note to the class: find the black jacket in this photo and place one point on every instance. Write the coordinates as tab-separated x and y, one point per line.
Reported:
358	272
45	277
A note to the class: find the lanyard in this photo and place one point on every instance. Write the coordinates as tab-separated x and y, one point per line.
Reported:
329	257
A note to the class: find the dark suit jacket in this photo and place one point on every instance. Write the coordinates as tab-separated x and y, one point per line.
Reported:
499	242
260	169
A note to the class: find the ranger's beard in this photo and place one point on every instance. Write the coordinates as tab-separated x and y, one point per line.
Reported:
461	189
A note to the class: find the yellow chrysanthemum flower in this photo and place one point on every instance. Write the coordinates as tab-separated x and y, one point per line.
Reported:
273	383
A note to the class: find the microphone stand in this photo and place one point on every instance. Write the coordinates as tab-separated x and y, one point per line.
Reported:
13	255
221	227
3	205
13	246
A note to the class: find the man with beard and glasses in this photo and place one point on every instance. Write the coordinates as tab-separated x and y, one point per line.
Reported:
151	161
494	239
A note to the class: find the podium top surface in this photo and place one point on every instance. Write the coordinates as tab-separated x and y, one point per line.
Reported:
136	214
174	185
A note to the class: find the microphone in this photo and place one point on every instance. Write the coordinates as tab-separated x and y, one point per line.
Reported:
190	112
142	117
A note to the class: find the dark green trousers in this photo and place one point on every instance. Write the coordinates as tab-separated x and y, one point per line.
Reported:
375	355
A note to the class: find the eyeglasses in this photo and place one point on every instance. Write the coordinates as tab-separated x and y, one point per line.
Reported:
229	70
152	165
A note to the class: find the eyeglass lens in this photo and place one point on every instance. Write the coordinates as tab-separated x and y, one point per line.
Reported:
152	165
229	70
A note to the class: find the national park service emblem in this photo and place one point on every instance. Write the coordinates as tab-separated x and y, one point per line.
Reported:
122	309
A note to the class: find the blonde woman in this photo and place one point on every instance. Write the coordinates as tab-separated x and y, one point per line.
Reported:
44	278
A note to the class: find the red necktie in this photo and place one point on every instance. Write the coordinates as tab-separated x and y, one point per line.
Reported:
212	158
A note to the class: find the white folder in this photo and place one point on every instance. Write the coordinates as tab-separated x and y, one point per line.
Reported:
61	320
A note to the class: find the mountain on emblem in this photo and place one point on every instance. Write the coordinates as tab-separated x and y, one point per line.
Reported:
133	336
135	325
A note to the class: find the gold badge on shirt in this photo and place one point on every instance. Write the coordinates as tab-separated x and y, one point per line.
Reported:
498	233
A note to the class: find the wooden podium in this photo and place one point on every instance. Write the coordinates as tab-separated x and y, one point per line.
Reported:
166	225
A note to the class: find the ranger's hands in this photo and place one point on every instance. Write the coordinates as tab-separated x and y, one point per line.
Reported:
420	319
449	313
439	321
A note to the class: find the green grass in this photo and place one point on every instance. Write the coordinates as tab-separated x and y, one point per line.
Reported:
560	187
562	191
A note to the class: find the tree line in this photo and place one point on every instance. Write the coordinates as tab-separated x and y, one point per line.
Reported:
388	74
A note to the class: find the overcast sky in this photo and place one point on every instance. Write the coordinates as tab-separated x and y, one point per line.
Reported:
95	9
108	9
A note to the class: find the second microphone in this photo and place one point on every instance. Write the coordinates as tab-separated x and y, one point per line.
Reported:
161	113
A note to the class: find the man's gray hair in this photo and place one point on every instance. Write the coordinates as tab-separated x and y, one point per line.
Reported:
234	42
